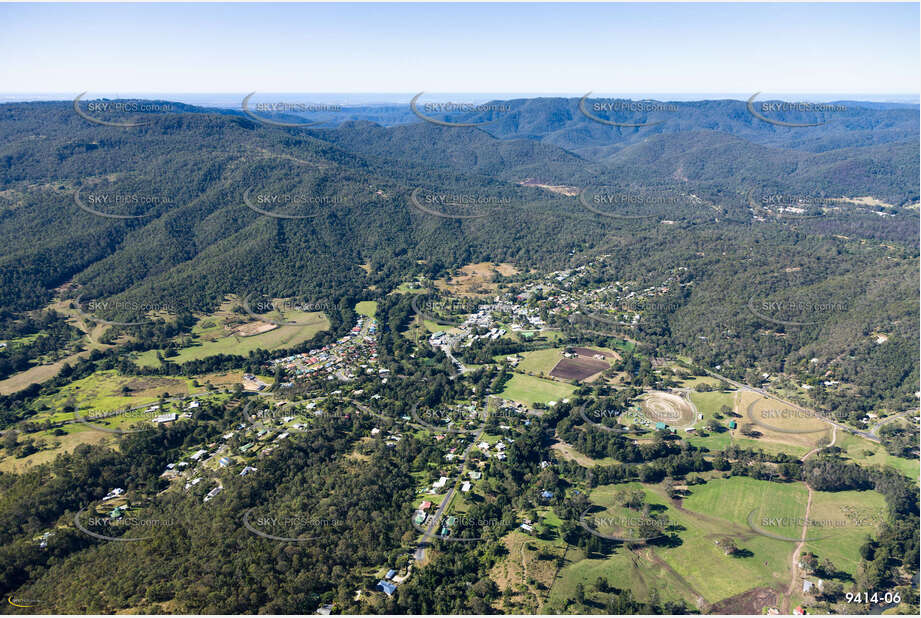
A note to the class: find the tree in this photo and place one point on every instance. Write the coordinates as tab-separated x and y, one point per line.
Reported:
809	562
726	545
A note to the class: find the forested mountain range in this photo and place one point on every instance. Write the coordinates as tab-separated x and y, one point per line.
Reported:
194	240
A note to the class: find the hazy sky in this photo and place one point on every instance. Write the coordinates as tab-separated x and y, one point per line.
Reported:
551	48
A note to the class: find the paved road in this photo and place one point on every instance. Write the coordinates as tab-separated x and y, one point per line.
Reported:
874	430
424	542
863	434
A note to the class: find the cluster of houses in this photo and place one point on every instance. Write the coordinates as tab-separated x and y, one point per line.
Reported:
498	450
344	359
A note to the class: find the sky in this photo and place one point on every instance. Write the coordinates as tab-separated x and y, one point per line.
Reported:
110	49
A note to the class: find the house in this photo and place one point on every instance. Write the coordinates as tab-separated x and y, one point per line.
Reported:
114	493
660	426
799	611
476	475
386	587
732	425
324	610
449	523
247	470
198	455
527	528
224	462
213	493
440	483
116	513
465	487
419	518
390	574
192	405
165	418
546	495
425	504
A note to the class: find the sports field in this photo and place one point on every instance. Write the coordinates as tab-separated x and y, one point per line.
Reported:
530	390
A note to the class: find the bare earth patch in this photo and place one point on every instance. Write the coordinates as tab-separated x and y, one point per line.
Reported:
254	328
748	603
669	409
578	368
476	279
560	189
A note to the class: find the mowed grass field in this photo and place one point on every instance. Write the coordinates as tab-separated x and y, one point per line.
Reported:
530	390
709	404
543	361
367	307
843	520
210	338
540	361
721	507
